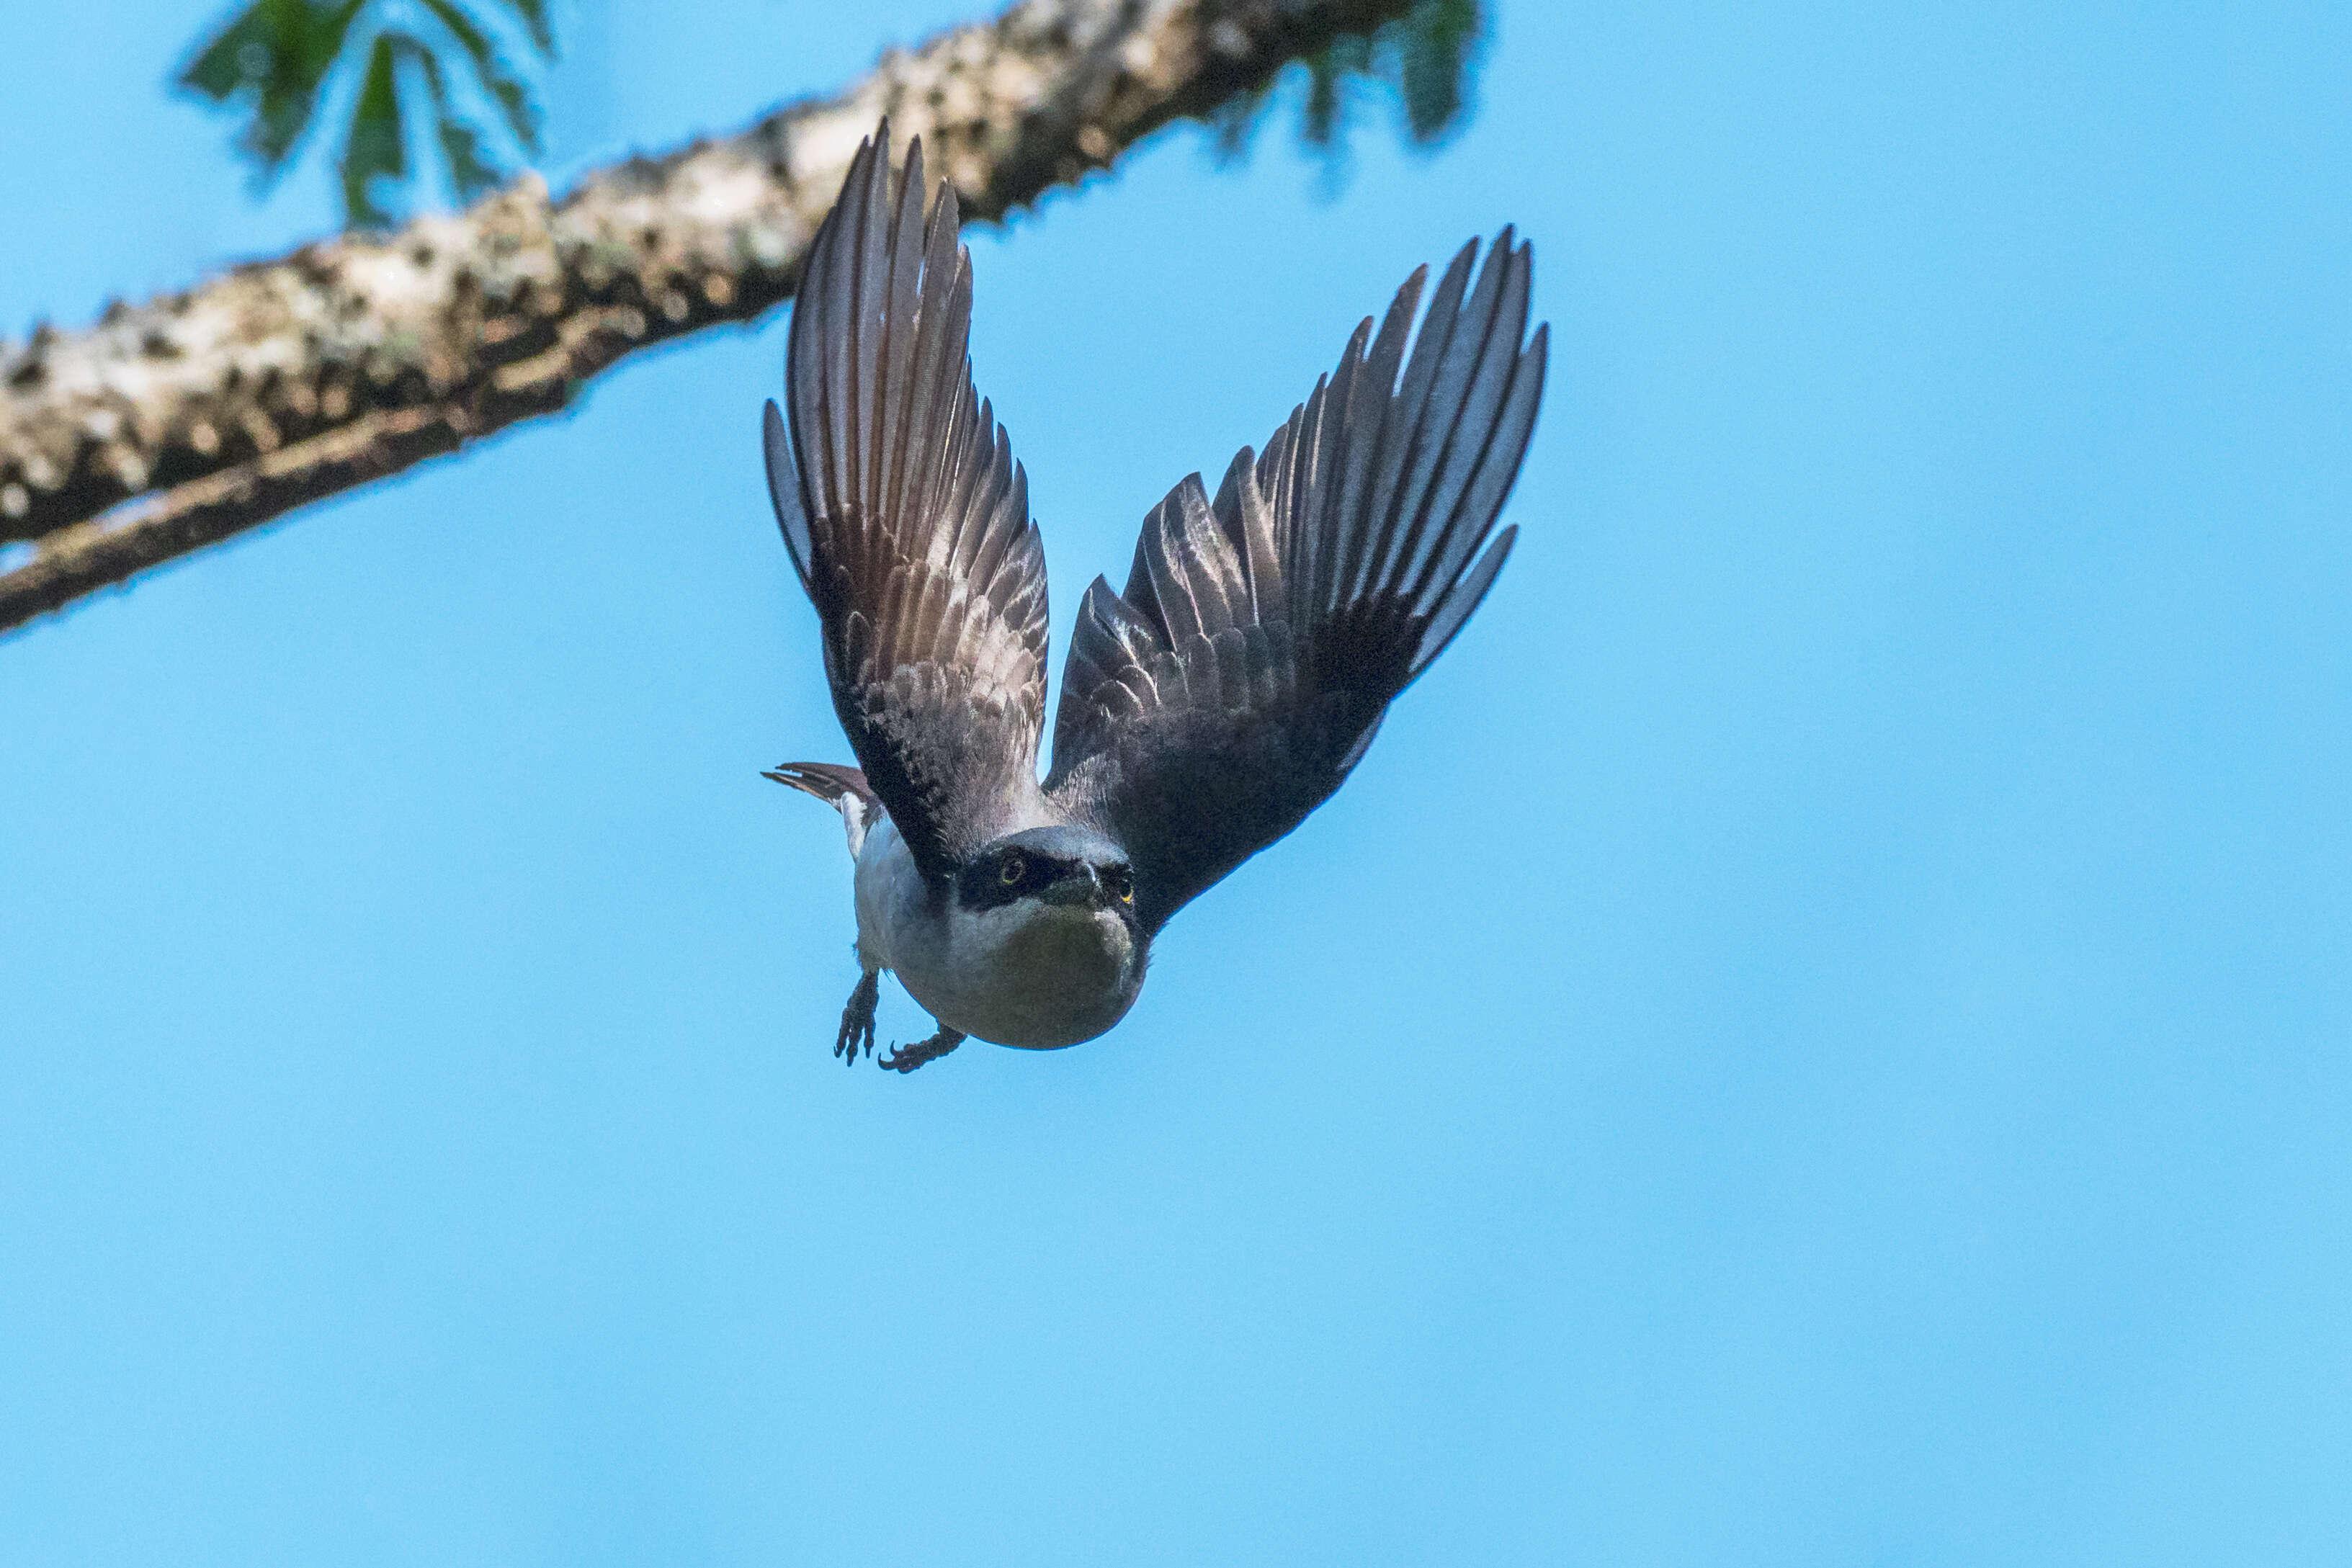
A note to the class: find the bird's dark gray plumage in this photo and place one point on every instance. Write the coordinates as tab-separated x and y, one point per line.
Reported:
908	520
1207	708
1225	694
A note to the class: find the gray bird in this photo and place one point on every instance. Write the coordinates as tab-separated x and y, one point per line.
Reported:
1205	711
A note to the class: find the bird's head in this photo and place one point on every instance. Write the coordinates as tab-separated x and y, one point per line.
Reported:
1060	866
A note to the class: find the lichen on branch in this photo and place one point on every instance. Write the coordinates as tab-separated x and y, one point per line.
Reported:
187	419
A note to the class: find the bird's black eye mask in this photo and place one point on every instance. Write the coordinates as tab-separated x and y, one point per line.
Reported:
1009	875
994	881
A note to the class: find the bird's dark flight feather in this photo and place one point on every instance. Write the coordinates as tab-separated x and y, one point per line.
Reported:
908	520
829	782
1228	692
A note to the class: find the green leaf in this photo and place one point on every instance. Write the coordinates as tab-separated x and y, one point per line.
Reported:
1425	60
534	16
273	56
497	78
1327	86
1433	66
1234	122
275	60
374	147
471	171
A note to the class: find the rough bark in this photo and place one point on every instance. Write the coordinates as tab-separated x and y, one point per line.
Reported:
178	423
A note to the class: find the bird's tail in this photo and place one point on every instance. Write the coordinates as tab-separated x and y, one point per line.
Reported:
844	789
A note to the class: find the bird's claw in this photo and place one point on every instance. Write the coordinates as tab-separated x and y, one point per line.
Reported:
907	1058
858	1019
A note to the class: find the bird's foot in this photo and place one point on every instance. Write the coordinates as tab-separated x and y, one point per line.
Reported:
857	1019
907	1058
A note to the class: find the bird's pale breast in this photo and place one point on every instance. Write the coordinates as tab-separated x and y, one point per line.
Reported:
1032	975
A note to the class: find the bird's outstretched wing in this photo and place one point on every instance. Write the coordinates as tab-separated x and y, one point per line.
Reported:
908	520
1225	694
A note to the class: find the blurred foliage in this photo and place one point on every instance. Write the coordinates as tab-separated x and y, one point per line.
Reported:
1427	60
441	62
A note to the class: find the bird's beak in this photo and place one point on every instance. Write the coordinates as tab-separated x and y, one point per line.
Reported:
1081	889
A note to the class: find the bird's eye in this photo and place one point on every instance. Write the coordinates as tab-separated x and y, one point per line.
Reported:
1123	884
1013	868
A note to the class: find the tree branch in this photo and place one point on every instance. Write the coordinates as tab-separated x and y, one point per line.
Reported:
175	424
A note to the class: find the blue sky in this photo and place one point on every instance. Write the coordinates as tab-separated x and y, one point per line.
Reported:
1818	1034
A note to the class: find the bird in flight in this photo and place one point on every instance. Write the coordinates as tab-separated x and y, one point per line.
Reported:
1205	710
